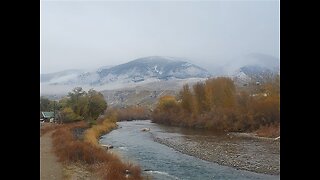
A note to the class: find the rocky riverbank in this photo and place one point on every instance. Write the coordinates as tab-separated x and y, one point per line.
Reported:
242	152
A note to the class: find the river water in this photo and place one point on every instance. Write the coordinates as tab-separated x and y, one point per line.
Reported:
161	162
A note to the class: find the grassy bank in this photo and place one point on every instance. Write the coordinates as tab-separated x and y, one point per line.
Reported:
105	165
104	126
271	131
130	113
46	127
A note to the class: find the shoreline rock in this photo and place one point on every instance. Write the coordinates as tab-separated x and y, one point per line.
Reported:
230	155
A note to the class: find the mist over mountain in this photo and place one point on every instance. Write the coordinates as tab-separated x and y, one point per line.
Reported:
231	65
136	72
154	69
254	67
142	69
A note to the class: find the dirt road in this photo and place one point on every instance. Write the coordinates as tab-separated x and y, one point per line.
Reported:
50	168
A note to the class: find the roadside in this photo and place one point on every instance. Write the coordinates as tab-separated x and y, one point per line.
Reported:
80	154
50	168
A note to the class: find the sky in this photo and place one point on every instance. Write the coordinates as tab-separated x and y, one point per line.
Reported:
90	34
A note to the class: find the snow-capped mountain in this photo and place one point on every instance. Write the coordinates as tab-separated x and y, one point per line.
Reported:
62	76
147	69
253	73
159	72
155	67
250	68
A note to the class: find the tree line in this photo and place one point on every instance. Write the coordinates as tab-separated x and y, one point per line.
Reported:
219	105
130	113
78	105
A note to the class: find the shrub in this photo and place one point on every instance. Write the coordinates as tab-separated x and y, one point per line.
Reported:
70	150
217	105
131	113
68	115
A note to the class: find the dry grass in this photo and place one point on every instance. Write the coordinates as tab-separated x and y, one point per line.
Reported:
91	135
77	171
271	131
112	167
47	127
117	170
87	152
131	113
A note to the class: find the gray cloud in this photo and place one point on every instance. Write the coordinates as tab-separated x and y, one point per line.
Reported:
89	34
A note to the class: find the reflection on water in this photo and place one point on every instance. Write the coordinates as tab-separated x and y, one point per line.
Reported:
162	162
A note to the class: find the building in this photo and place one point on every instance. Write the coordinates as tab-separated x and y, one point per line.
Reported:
47	116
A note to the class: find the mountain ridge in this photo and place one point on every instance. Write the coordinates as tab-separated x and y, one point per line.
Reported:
141	69
170	72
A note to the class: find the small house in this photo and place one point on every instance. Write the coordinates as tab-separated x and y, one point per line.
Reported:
47	116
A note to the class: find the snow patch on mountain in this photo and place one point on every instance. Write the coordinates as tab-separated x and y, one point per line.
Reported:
139	71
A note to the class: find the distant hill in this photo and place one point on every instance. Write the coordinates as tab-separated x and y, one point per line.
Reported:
258	68
61	76
253	73
135	72
142	81
162	68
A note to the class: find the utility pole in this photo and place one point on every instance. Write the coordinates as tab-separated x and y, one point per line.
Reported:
54	110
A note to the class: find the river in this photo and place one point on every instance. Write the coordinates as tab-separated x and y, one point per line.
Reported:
162	162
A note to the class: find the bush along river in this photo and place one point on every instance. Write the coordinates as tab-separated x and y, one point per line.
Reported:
166	153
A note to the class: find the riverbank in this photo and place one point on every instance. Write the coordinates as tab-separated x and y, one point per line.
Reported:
165	163
50	167
83	159
241	151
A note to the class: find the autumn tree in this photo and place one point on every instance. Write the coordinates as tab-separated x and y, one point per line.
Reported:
219	106
83	105
68	115
49	105
166	110
185	96
199	93
96	104
78	101
167	103
223	92
45	104
266	105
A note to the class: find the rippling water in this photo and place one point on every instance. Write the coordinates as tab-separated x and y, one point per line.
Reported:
162	162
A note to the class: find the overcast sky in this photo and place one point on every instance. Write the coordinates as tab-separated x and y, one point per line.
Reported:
90	34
